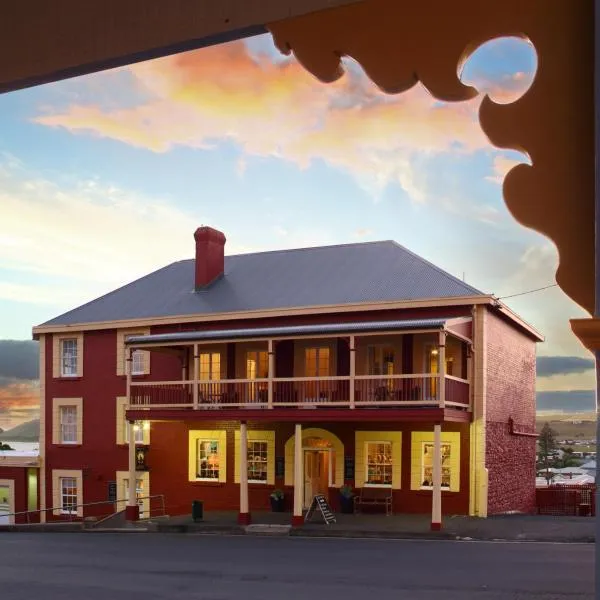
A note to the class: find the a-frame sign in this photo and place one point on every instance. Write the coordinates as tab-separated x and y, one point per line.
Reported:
320	502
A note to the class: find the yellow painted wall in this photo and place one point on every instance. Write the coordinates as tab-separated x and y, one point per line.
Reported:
416	457
338	448
257	436
361	438
218	435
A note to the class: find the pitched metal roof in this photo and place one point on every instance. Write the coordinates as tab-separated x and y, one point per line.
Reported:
329	275
283	331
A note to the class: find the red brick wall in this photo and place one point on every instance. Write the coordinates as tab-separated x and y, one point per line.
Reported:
168	461
510	459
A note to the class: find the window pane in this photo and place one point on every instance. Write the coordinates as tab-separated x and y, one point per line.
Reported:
427	477
68	357
68	494
257	461
68	424
208	459
137	363
379	463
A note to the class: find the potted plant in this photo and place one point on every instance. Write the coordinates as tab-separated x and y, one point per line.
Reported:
277	498
346	500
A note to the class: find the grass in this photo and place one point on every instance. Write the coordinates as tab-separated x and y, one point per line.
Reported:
571	426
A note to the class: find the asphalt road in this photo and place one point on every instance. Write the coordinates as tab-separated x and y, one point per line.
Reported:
151	566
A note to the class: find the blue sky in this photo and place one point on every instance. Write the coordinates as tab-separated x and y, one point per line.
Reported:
94	170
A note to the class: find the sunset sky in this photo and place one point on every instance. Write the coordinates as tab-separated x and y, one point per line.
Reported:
95	170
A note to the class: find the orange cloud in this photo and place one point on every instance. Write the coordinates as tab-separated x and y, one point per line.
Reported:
501	166
19	402
273	107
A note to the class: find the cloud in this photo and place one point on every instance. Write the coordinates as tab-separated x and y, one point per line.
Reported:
274	108
19	359
569	400
19	401
548	366
501	165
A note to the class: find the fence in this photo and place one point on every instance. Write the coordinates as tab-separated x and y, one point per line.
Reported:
567	500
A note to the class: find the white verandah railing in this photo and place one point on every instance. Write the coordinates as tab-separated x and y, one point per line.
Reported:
359	391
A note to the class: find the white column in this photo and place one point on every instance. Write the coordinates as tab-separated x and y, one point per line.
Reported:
194	377
436	504
352	369
244	516
298	477
442	370
132	509
271	372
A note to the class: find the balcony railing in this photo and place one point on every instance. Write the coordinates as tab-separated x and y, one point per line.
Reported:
361	391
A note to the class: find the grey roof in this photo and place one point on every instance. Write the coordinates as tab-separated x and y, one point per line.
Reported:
327	275
291	330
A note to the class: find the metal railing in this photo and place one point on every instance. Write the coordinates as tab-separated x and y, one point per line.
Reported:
70	512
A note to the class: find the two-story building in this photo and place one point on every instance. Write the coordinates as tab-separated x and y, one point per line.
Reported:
223	378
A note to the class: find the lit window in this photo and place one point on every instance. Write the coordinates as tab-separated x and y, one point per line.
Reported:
138	428
68	495
427	465
378	464
68	424
257	462
317	362
68	357
380	360
208	460
210	366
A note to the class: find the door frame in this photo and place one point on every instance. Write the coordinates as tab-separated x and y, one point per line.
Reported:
330	452
10	484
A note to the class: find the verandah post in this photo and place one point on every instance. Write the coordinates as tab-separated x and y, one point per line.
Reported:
271	373
244	515
352	369
298	477
436	501
442	370
195	376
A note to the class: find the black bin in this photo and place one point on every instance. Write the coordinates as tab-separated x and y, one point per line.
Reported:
197	510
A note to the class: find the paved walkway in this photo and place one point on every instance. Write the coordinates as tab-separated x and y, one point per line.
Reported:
505	527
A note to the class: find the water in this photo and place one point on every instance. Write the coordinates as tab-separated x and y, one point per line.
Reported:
23	446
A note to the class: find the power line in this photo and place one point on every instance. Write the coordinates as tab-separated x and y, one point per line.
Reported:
530	291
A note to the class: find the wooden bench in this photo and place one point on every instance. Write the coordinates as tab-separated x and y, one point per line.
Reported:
369	496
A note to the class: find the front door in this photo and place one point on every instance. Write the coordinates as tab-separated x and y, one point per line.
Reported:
5	505
315	474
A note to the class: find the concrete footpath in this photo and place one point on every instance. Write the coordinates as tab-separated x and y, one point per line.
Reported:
505	527
518	528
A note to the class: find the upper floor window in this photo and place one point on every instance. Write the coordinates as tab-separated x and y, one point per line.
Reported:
317	362
210	366
68	424
137	362
380	360
68	357
257	364
138	431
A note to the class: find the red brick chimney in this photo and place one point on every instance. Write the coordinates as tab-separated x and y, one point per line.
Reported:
210	255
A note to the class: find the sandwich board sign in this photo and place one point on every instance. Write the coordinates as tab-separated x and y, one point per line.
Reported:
320	502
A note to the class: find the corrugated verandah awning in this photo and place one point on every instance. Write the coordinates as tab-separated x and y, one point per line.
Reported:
288	330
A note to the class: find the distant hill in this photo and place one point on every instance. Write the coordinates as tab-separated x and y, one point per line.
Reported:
568	401
26	432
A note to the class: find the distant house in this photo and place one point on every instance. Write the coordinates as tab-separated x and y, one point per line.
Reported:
228	377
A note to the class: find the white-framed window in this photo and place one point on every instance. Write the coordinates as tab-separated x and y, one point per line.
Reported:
140	493
138	431
380	360
68	357
378	464
427	465
137	362
257	461
208	460
68	495
210	366
68	424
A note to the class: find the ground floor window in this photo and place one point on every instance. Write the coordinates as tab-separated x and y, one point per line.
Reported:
427	465
378	463
257	461
208	460
68	495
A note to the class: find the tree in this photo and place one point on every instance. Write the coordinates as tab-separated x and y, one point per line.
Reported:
4	446
547	447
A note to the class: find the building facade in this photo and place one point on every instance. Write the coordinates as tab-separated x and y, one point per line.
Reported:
224	379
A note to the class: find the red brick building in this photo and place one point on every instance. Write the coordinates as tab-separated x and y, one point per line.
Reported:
224	378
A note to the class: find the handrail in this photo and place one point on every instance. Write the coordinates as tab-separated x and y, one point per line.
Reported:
76	506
